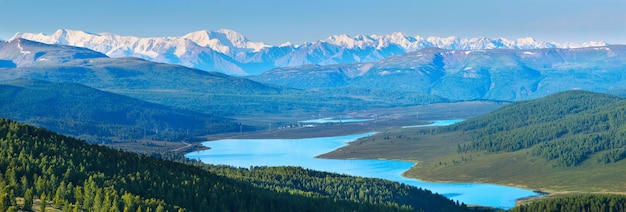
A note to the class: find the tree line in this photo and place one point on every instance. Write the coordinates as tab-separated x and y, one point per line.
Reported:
565	128
71	175
581	202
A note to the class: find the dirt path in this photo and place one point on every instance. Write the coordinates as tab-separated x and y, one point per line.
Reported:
187	145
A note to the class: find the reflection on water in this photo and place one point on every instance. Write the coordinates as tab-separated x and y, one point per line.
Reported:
301	152
438	123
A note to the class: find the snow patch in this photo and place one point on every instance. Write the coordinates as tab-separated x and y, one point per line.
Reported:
365	68
19	46
602	48
285	44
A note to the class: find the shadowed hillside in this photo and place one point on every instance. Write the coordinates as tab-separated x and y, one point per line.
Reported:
67	174
81	111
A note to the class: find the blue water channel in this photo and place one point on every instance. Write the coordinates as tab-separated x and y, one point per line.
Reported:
302	152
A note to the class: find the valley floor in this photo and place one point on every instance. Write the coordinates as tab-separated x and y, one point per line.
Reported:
382	120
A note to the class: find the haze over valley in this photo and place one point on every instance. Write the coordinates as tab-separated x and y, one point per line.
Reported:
312	107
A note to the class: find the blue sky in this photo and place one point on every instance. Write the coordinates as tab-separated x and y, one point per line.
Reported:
278	21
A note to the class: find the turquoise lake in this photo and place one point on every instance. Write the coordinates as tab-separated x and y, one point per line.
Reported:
438	123
302	152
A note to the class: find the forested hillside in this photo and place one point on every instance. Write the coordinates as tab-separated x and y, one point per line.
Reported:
70	174
565	128
539	144
359	189
95	115
583	202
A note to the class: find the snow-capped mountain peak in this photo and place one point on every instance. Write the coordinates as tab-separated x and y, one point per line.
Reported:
346	41
224	40
236	39
404	41
451	42
205	38
288	43
398	36
526	41
230	52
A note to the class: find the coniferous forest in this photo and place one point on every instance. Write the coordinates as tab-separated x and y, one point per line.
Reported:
79	91
71	175
582	202
565	128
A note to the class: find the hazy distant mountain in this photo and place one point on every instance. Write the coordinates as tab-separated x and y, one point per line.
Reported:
24	53
61	63
498	74
134	77
230	52
182	87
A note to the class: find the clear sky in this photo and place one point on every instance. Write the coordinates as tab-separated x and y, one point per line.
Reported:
278	21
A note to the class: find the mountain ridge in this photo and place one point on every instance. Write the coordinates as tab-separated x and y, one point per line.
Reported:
20	52
496	74
187	88
230	52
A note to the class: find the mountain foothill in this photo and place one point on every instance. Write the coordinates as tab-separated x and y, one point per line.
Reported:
424	76
563	114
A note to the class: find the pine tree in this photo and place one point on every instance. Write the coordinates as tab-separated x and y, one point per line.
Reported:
42	200
28	199
5	202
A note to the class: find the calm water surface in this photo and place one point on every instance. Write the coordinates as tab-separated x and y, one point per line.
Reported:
438	123
302	152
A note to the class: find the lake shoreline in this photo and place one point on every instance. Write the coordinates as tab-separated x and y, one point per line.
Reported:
395	174
541	193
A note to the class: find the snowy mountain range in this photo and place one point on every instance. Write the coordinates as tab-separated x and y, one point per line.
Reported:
230	52
495	74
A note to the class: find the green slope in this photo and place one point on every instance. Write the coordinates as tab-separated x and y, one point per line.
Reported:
565	128
78	110
565	142
585	202
570	141
71	174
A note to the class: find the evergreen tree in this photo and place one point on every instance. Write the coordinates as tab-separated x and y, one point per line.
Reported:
28	199
5	202
42	200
